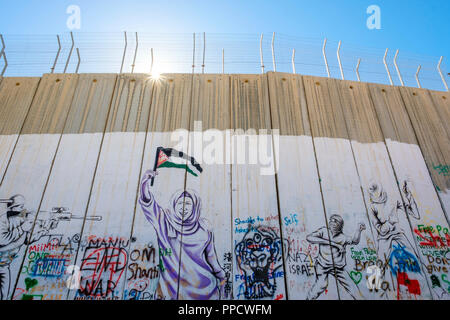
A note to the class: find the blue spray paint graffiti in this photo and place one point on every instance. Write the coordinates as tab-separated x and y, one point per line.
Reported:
403	261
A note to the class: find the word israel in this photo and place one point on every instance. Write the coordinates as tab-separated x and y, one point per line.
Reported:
231	146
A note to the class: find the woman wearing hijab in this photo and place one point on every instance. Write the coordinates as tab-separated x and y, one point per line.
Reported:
181	226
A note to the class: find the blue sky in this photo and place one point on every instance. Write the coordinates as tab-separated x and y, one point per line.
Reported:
413	26
422	27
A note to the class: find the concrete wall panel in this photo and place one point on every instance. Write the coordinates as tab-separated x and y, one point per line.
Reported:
432	136
258	247
67	192
300	198
29	169
157	222
410	167
103	257
16	95
347	221
385	198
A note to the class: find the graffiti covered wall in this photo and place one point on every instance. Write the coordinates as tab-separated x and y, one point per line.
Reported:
274	186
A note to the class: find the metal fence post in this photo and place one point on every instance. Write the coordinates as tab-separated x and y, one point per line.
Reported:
440	73
325	57
398	70
57	55
204	49
3	54
124	51
387	68
135	53
417	76
357	70
273	53
70	53
293	61
261	53
193	56
79	61
339	60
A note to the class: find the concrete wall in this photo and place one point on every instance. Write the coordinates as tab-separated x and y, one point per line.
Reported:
362	179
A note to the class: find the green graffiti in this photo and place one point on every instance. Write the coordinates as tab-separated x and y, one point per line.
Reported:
442	169
161	265
30	283
435	281
32	297
356	276
444	278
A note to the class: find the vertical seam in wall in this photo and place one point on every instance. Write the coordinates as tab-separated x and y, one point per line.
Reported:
2	127
87	108
45	186
350	140
128	106
320	185
141	102
94	175
20	131
431	179
185	179
354	160
120	89
140	106
372	106
234	82
446	214
397	181
231	185
283	254
420	148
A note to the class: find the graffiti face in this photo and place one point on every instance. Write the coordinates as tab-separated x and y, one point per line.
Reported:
258	256
336	224
376	194
16	213
184	206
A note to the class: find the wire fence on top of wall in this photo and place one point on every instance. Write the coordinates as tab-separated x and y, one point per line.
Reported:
34	55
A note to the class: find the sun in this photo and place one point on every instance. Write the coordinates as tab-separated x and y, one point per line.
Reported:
155	76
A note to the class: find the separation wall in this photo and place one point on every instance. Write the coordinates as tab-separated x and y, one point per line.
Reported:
274	186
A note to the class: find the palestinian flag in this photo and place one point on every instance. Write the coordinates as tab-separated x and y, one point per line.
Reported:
165	156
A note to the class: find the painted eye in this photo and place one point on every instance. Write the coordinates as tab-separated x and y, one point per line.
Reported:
249	242
257	238
267	241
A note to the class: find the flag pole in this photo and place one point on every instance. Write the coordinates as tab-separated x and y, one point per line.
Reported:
156	163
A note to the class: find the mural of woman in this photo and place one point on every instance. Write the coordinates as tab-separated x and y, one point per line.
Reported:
200	275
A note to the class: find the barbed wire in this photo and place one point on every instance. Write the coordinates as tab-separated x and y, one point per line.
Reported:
103	52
